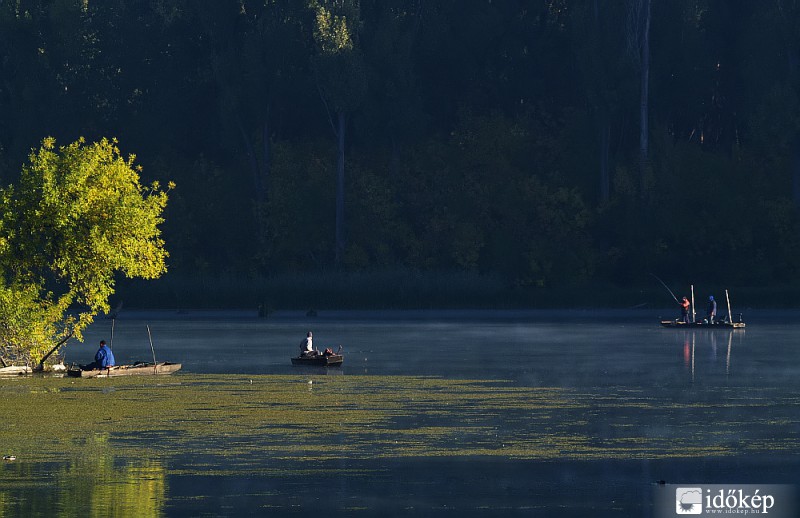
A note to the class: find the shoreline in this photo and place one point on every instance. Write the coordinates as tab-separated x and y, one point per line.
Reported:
533	314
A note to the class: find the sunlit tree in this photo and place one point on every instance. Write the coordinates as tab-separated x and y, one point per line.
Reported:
77	217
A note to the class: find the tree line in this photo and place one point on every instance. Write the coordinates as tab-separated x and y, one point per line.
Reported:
548	142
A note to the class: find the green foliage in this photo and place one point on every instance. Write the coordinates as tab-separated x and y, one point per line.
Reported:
214	232
338	63
485	138
708	216
30	323
77	217
334	31
493	203
300	232
380	238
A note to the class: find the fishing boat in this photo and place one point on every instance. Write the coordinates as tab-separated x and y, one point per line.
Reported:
702	325
324	359
713	323
137	369
321	360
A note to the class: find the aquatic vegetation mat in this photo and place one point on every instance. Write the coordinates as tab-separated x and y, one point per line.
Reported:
223	423
186	443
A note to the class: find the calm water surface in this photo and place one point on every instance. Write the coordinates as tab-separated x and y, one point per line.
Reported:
624	357
546	348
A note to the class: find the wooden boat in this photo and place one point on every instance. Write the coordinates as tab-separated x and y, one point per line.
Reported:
725	323
331	360
15	370
677	324
137	369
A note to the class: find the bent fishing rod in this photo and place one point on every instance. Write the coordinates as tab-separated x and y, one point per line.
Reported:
667	287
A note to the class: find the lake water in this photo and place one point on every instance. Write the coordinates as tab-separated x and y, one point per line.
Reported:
627	405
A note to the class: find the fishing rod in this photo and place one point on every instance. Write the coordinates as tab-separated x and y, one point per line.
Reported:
151	345
669	290
114	313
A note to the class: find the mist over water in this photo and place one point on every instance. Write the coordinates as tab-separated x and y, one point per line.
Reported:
534	348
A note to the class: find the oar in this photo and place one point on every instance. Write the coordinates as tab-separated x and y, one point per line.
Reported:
669	290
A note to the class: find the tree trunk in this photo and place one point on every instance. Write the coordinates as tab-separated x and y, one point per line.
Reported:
605	177
266	163
265	172
795	165
340	224
644	98
602	111
394	161
793	59
260	174
40	367
253	161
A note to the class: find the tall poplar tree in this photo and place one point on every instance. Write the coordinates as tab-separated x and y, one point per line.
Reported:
339	69
639	44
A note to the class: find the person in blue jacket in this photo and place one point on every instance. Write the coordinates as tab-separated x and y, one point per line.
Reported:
711	310
103	359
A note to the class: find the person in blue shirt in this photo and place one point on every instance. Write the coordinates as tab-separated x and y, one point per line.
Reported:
103	359
711	311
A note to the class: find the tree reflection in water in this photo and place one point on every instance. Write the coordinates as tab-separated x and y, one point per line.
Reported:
98	485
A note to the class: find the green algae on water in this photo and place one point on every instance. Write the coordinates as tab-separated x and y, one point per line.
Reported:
242	423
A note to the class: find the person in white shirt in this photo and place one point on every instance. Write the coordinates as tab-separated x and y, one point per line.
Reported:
307	345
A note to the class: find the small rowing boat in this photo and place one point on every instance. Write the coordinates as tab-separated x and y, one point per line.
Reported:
330	360
137	369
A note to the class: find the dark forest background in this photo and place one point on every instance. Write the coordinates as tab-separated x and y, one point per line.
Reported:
455	152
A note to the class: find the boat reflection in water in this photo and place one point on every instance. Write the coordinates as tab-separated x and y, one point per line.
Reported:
699	340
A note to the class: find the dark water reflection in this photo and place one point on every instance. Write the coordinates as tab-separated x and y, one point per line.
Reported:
596	353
